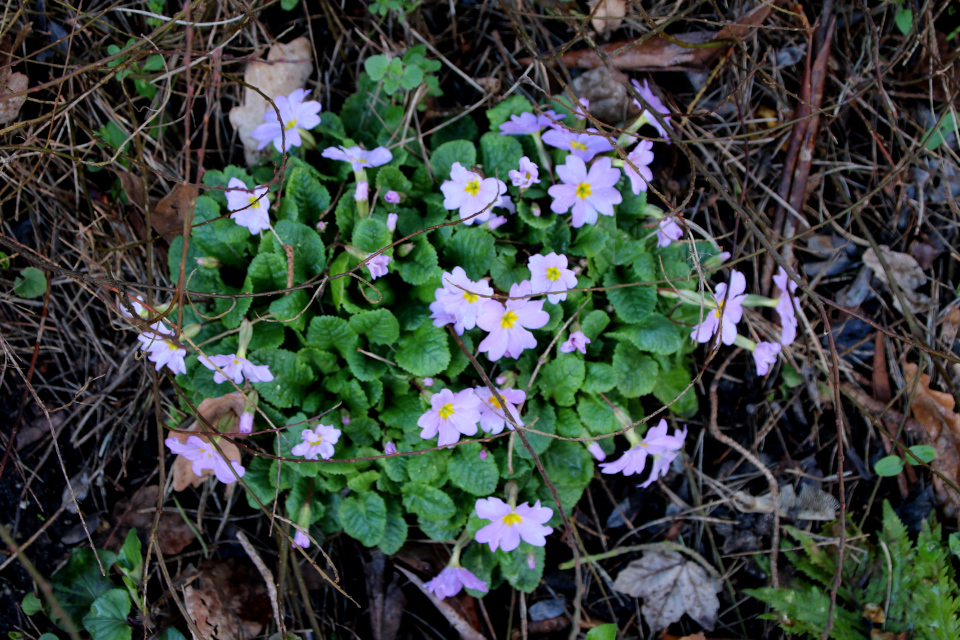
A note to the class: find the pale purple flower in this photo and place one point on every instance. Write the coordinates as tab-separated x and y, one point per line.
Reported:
508	525
296	114
301	540
582	144
729	308
362	194
668	231
460	301
493	414
527	123
501	380
640	157
787	306
576	342
204	456
250	209
236	369
509	324
548	274
471	194
246	423
427	382
527	175
450	415
506	202
580	109
451	580
357	157
495	222
587	193
162	350
764	355
391	197
345	420
317	442
483	454
321	226
392	221
378	265
657	442
661	464
657	104
138	308
597	451
390	448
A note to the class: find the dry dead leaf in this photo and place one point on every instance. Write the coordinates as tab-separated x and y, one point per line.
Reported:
607	91
228	601
671	585
133	185
934	411
173	208
212	410
608	15
174	535
285	70
660	52
905	271
810	504
948	332
11	81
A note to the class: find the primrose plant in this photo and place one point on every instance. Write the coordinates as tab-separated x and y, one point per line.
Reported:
406	350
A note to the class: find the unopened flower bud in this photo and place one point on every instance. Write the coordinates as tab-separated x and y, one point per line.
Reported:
191	330
226	422
483	454
390	448
321	226
209	262
597	451
404	250
622	417
507	379
392	222
391	197
427	382
510	492
345	419
363	191
246	423
535	209
246	334
301	540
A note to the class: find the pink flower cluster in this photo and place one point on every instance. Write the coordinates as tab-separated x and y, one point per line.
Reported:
162	350
204	456
296	114
509	524
663	448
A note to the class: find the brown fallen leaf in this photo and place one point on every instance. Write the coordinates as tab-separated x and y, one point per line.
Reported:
285	70
606	89
670	585
11	81
213	410
608	15
173	535
948	332
905	272
672	51
133	185
173	208
940	428
228	601
182	471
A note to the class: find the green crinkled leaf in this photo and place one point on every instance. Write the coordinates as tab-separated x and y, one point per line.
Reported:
512	106
223	239
420	265
290	306
471	248
591	241
363	481
267	272
392	179
505	271
291	375
516	569
560	379
428	502
444	530
428	468
403	412
309	257
625	250
424	352
266	335
395	533
463	128
370	235
632	303
107	618
655	334
79	583
311	197
501	154
323	361
545	220
570	468
594	323
596	415
338	286
379	326
481	562
364	517
259	481
330	332
218	180
471	474
600	378
670	384
636	373
364	367
31	283
540	416
443	158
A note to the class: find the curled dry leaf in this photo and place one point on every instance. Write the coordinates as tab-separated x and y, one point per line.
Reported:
904	270
810	504
228	601
173	209
940	428
11	81
607	91
173	534
608	15
671	585
285	70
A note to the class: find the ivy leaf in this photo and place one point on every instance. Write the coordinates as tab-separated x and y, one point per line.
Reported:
471	248
670	384
561	379
501	154
655	334
600	378
443	158
633	303
597	416
471	474
31	283
420	265
428	502
395	533
311	197
424	352
636	373
364	517
107	618
379	326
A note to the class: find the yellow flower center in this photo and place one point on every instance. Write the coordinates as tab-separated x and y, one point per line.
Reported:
512	518
314	438
290	125
235	361
508	319
553	274
254	202
446	411
170	345
470	297
583	190
718	311
578	145
495	403
528	175
473	187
